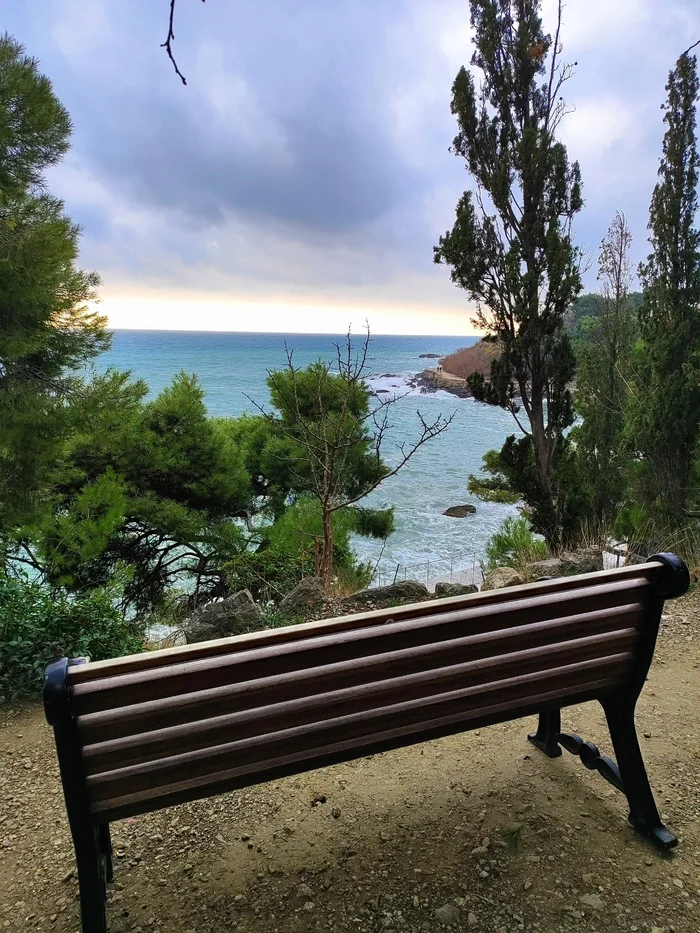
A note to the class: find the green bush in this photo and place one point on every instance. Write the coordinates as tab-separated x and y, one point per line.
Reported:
37	626
268	574
292	547
514	545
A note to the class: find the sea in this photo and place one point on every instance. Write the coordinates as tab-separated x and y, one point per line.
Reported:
426	545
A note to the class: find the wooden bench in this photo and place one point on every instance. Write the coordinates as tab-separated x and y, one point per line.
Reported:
139	733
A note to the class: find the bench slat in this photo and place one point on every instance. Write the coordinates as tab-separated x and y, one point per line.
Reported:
296	760
323	727
166	710
273	707
192	676
96	670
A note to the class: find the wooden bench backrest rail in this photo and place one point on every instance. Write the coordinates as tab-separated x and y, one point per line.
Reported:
649	571
165	727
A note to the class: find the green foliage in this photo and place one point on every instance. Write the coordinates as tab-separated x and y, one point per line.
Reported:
160	489
37	625
266	457
665	417
495	487
34	127
292	548
514	254
47	331
372	523
512	478
326	441
514	545
320	411
153	485
269	574
588	306
605	356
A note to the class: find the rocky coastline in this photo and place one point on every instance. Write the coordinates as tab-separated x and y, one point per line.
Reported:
430	381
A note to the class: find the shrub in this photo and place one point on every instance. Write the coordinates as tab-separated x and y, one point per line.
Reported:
292	551
268	574
37	626
514	545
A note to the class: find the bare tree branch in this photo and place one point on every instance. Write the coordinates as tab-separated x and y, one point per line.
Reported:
693	46
168	44
335	424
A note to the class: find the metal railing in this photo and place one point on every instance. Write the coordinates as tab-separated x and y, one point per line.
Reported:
459	568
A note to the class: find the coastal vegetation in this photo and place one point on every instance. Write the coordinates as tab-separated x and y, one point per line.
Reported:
603	388
121	509
512	250
130	509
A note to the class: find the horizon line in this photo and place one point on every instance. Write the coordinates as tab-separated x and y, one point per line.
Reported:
273	333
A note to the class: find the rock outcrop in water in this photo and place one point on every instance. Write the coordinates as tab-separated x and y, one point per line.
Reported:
460	511
430	381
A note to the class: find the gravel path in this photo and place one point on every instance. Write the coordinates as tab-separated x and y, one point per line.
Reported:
473	833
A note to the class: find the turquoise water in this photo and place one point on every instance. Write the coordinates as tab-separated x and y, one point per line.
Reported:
233	366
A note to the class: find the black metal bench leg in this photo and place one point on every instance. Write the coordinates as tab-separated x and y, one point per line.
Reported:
105	843
548	729
644	815
92	883
93	850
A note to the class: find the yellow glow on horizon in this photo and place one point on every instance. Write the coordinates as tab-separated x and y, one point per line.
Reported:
210	312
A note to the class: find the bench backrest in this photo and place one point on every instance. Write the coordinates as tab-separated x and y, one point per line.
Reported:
169	726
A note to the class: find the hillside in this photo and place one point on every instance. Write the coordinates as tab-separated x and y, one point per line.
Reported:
468	360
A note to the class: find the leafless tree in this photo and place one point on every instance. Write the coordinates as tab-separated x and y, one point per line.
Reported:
337	431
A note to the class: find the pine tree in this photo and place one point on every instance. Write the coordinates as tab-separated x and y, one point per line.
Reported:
511	247
47	330
666	423
604	350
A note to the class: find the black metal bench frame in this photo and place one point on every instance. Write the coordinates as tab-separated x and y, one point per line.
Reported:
92	842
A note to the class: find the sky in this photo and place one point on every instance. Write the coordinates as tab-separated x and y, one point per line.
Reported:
300	180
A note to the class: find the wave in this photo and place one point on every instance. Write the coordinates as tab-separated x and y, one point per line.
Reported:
405	384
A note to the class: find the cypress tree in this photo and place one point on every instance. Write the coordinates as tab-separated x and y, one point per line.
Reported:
511	246
666	423
604	349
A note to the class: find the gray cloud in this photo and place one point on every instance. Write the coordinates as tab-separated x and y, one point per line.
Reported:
309	149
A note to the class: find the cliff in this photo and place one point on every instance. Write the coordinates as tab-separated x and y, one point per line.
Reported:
476	359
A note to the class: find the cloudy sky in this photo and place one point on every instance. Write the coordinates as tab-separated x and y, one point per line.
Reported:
300	180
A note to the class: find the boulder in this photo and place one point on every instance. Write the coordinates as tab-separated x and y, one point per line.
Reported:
587	560
500	578
307	594
234	615
459	511
545	568
406	591
443	590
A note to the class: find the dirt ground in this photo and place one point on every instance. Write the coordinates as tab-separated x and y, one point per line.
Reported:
474	833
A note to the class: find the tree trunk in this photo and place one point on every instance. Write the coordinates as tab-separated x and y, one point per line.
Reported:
543	466
326	572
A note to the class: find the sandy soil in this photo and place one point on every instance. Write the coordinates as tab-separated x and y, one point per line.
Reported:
477	832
